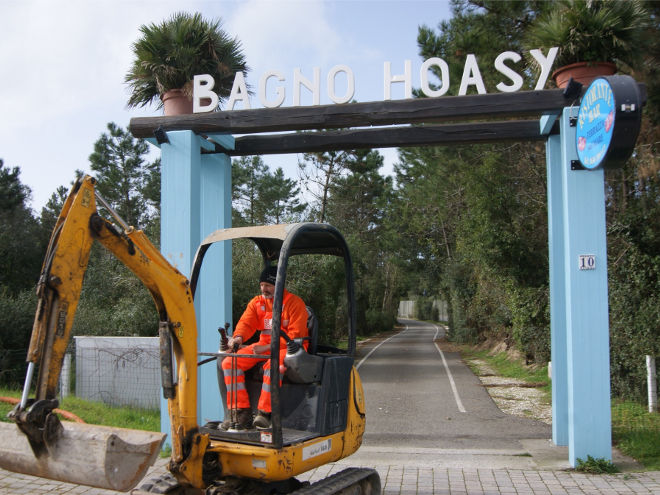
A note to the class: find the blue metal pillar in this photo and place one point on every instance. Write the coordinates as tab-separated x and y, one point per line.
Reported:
557	283
213	296
586	306
195	201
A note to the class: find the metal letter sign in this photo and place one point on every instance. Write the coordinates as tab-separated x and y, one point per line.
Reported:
608	122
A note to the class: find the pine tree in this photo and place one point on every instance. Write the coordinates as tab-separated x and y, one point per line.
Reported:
22	240
125	179
262	197
280	197
248	177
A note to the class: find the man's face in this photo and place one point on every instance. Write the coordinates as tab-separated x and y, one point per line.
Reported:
267	290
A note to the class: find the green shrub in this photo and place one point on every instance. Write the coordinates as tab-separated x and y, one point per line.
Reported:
377	321
461	290
530	322
596	466
16	318
634	297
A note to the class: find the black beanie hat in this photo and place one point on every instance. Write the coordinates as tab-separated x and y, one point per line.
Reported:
269	275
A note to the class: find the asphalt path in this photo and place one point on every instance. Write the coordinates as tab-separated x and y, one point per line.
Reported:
422	400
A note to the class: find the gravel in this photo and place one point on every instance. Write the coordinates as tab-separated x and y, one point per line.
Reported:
513	396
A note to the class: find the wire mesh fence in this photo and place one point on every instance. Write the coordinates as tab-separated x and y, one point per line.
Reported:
12	366
632	417
118	371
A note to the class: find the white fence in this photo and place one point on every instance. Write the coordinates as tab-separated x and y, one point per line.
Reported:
407	309
119	371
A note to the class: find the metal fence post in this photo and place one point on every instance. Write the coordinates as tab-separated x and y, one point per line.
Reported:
652	383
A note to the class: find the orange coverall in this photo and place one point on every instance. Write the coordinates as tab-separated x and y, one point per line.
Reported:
259	316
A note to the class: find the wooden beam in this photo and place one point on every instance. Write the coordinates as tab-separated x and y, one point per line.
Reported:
381	113
388	137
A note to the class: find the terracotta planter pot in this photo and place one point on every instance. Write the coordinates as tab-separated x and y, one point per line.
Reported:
583	73
175	102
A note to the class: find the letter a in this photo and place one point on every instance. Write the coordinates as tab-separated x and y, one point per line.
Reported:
471	76
239	92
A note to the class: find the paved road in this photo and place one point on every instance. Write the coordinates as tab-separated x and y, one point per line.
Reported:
419	396
433	429
425	407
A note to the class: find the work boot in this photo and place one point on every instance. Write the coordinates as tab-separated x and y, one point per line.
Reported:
238	419
262	421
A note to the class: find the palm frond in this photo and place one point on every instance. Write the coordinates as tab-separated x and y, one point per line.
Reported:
168	55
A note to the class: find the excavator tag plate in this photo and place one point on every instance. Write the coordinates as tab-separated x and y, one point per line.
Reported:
98	456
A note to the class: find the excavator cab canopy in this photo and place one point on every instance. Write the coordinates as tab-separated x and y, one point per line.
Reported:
279	243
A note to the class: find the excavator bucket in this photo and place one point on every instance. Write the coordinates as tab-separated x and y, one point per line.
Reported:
98	456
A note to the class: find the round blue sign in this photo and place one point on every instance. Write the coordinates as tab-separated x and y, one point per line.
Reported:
595	123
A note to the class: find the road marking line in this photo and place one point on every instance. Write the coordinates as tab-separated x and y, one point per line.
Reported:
459	404
372	350
451	378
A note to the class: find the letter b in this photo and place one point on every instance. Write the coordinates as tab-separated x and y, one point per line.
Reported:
203	89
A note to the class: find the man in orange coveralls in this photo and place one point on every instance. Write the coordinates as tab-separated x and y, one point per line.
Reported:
259	316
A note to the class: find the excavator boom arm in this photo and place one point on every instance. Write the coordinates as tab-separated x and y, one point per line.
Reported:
59	289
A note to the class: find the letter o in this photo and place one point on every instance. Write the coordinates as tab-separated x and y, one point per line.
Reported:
350	90
424	76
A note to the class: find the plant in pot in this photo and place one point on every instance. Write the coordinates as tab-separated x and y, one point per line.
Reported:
168	55
594	37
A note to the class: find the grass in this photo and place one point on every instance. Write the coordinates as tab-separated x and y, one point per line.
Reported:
4	406
636	432
97	413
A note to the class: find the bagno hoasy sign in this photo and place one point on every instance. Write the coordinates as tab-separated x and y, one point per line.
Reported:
512	81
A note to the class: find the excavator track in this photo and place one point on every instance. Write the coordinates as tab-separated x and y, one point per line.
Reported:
168	484
351	481
165	483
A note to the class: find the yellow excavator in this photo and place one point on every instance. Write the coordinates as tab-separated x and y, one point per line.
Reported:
318	410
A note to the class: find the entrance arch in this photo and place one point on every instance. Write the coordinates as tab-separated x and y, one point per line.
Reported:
196	199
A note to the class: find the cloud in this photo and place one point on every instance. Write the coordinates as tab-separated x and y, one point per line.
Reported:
64	63
271	32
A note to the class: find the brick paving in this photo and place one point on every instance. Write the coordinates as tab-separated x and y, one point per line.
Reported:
417	481
407	480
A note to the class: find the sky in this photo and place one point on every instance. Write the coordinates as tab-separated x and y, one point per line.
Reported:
63	64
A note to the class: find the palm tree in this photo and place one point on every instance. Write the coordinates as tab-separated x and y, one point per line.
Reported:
591	31
170	54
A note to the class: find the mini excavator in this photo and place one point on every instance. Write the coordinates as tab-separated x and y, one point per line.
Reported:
318	410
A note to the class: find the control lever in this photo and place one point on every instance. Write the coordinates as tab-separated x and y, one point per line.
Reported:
224	341
224	344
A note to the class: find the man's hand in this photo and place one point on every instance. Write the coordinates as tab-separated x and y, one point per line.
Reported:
234	342
260	349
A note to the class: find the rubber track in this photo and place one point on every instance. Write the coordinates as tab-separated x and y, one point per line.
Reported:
344	479
331	485
165	483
